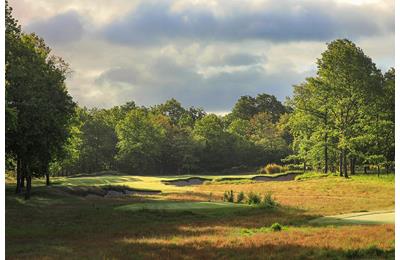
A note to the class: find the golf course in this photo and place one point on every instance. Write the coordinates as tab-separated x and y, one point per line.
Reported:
113	216
199	129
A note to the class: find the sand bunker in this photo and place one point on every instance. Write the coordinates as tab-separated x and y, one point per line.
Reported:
198	181
286	177
186	182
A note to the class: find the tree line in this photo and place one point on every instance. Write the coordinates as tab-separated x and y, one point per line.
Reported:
171	139
336	121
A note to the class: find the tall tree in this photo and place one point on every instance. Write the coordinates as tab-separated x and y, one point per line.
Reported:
353	81
37	94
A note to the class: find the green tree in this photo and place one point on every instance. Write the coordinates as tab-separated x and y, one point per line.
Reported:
139	143
38	104
353	82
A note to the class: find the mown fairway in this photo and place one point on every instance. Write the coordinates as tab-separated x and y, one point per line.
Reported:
67	220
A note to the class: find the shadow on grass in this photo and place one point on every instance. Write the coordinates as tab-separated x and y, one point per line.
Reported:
59	226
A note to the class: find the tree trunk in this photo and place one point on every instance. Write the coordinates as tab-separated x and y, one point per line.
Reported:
304	167
345	164
19	173
28	184
352	166
23	174
365	170
341	163
379	170
47	177
326	143
326	153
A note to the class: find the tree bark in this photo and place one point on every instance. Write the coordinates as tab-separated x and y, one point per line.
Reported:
28	183
47	176
365	170
345	164
352	166
326	153
304	167
341	163
23	174
326	143
19	173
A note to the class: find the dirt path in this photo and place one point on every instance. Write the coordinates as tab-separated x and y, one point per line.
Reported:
372	217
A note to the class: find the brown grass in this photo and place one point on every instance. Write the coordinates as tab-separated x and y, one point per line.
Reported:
55	226
326	196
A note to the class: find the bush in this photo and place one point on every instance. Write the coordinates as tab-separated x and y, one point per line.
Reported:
253	199
240	197
268	201
298	167
228	196
273	168
276	227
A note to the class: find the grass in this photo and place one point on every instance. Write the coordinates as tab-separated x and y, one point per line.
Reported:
193	222
178	206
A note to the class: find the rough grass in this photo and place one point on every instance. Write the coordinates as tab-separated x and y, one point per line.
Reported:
55	225
326	196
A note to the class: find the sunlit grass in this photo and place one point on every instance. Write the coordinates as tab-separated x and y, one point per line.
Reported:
193	220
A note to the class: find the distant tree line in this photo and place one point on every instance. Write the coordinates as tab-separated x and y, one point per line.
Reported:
171	139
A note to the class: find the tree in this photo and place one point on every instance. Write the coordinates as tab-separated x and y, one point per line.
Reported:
310	101
247	107
217	144
353	81
139	143
334	111
37	94
264	134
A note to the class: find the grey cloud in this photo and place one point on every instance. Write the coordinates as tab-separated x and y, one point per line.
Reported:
215	93
59	29
154	23
241	59
236	59
117	75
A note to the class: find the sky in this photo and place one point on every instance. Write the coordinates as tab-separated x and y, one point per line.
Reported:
204	53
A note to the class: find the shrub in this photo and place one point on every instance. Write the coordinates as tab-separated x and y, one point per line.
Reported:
298	167
240	197
273	168
268	201
276	227
228	196
253	199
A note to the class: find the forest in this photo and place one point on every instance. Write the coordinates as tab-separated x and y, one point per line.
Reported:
341	120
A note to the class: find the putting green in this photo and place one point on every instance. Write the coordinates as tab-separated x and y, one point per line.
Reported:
373	217
161	205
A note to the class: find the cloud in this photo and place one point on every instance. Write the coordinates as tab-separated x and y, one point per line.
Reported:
217	92
202	52
59	29
158	23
